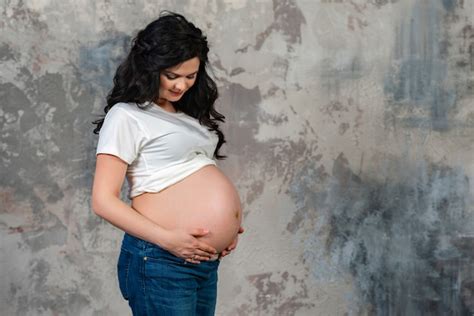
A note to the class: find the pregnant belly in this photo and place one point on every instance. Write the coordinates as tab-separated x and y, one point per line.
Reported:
205	199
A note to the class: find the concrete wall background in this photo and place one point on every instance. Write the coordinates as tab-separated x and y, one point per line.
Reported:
350	138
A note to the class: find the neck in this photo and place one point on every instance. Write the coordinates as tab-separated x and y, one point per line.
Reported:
165	104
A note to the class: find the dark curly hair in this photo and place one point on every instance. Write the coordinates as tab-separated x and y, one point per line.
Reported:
164	43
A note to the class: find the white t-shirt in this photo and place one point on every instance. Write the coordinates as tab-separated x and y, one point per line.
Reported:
160	147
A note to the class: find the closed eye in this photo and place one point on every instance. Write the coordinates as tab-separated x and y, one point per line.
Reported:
172	76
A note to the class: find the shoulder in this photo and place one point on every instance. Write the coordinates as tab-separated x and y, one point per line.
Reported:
129	114
122	107
121	114
125	110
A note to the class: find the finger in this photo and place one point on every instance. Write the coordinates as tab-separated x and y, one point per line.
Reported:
202	254
199	232
205	247
201	258
191	260
233	244
195	258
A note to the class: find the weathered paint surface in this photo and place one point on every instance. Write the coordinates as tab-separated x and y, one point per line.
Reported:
350	127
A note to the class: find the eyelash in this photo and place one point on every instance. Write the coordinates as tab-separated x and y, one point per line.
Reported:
172	78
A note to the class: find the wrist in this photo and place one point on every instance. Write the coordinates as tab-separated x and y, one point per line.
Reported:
162	237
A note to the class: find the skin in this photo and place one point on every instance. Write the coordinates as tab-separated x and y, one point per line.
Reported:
109	177
232	246
181	78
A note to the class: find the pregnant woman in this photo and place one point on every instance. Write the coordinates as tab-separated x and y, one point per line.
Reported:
160	132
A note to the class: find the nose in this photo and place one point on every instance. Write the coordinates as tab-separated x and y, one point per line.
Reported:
180	85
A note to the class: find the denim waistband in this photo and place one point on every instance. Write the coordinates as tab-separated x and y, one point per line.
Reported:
134	244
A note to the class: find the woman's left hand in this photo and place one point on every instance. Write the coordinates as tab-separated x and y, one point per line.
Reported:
232	246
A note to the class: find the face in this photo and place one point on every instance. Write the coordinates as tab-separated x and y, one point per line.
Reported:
176	80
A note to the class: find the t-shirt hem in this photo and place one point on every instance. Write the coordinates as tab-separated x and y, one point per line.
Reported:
115	153
136	192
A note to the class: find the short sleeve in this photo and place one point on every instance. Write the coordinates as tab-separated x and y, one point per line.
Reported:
120	135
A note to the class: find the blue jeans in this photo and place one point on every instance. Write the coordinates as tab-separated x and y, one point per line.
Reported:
156	282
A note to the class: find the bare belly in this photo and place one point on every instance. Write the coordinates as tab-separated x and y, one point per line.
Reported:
205	199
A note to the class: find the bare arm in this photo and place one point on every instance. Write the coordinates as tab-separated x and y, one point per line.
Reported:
106	203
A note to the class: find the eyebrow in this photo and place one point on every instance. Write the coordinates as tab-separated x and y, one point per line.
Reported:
172	73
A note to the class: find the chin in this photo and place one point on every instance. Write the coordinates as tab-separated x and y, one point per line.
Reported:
173	98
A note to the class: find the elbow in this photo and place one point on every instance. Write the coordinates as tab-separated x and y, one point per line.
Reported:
101	203
97	204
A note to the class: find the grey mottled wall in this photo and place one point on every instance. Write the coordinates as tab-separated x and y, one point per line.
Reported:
350	128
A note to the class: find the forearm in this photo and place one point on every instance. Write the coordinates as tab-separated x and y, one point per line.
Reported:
124	217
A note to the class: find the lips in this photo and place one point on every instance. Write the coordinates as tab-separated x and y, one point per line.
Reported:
176	93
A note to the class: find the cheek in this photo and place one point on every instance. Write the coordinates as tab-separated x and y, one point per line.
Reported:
191	84
165	84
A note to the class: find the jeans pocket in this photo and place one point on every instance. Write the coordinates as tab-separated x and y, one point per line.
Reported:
123	267
171	286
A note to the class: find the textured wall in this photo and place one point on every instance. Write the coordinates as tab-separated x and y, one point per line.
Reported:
350	127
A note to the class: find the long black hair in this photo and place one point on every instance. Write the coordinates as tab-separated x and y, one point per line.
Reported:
164	43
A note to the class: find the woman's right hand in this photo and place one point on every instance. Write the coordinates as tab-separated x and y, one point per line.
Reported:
184	243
